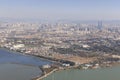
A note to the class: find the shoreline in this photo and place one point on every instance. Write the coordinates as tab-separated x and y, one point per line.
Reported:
52	71
37	56
42	76
45	75
73	67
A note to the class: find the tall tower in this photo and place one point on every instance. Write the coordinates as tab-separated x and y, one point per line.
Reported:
100	25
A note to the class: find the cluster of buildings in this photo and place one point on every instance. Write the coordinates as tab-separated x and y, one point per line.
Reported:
66	41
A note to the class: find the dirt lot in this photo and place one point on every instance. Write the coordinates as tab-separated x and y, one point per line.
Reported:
76	59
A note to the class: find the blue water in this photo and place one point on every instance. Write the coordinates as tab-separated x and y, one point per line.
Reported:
14	57
15	66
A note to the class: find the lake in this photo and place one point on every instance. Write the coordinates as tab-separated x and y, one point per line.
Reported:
93	74
15	66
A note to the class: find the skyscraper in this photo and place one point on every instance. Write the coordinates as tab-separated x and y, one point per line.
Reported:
99	25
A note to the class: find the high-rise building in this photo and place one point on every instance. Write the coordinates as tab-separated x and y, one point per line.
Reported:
100	25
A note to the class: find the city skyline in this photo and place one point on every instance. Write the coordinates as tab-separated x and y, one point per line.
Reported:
61	9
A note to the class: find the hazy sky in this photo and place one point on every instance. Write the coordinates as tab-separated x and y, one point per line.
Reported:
61	9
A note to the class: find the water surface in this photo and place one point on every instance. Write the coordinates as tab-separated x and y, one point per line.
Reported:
97	74
18	72
15	66
14	57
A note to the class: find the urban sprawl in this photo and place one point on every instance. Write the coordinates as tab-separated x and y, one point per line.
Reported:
84	44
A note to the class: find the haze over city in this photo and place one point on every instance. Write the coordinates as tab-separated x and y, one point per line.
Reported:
61	9
59	40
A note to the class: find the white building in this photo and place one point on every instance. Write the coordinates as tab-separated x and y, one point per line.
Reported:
66	65
46	66
18	46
